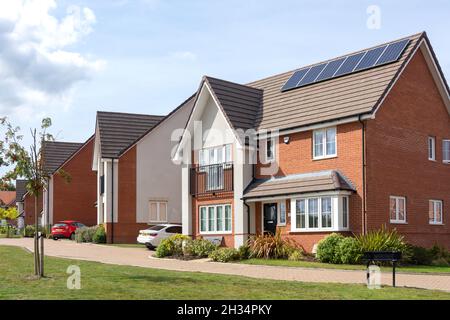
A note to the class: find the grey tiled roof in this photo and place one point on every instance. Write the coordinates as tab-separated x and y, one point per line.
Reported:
298	184
55	153
119	130
21	189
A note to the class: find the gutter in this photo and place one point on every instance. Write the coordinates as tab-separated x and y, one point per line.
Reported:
363	156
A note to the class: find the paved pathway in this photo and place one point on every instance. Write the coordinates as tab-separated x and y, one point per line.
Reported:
142	258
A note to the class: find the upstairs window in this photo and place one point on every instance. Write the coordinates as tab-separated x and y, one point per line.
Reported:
324	143
270	149
397	208
432	148
446	151
435	212
215	155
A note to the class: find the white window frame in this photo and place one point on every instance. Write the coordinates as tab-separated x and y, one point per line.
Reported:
432	148
444	141
435	222
324	144
274	150
158	212
215	231
397	200
204	159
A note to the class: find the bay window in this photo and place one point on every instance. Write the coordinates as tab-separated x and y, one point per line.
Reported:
215	218
322	213
324	143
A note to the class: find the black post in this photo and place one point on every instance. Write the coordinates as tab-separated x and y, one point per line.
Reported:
393	272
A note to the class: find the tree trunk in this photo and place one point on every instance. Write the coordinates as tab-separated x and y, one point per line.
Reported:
41	261
36	238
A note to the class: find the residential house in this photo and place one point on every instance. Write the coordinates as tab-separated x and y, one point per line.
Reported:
21	190
71	190
7	199
138	185
347	145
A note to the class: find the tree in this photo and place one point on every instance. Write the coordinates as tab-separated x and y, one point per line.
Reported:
26	163
7	187
8	213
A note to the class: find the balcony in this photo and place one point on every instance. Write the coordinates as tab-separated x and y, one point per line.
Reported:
213	179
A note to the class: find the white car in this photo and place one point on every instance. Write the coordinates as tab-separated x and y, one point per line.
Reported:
152	236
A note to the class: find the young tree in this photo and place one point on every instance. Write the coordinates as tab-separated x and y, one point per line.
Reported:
23	162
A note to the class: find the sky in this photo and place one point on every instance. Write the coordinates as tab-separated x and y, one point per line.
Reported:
67	59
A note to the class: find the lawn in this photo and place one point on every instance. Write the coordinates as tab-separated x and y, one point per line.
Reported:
103	281
312	264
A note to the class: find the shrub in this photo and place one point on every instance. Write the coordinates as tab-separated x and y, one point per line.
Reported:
348	251
200	248
327	248
421	256
296	255
271	246
172	246
85	234
99	235
244	252
224	255
384	240
29	231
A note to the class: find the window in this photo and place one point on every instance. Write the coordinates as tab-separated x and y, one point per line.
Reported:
282	215
324	143
314	213
446	151
158	211
211	162
174	230
345	212
397	209
270	149
431	148
215	219
435	212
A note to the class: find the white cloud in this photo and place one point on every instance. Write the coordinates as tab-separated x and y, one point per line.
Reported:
36	68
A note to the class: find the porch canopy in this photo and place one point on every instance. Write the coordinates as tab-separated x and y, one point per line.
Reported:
311	182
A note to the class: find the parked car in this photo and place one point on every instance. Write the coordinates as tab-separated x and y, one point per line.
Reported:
65	229
152	236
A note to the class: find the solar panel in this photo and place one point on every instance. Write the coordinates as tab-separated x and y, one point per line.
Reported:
370	58
330	69
393	52
312	74
295	79
349	64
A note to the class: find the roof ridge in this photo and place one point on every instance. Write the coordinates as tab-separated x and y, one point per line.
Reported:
130	113
231	82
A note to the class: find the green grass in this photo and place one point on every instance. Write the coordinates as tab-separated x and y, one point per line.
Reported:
102	281
312	264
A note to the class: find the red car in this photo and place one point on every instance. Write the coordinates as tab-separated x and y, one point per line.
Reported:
65	229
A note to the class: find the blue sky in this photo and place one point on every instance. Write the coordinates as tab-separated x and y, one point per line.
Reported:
147	56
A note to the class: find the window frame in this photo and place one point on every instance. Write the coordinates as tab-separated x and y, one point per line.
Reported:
435	222
324	144
214	220
319	228
444	141
397	220
279	223
432	148
158	213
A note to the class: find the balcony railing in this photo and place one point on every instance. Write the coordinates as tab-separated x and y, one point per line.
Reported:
212	179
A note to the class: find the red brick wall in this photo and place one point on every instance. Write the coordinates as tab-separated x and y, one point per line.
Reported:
397	156
126	229
296	157
75	200
29	206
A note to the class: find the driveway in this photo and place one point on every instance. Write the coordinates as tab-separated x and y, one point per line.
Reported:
142	258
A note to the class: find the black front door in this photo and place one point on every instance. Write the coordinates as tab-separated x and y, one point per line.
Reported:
270	218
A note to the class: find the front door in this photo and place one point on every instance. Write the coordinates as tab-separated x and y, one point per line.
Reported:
270	218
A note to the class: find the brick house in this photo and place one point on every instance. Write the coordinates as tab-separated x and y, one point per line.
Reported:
21	191
347	145
73	198
137	183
